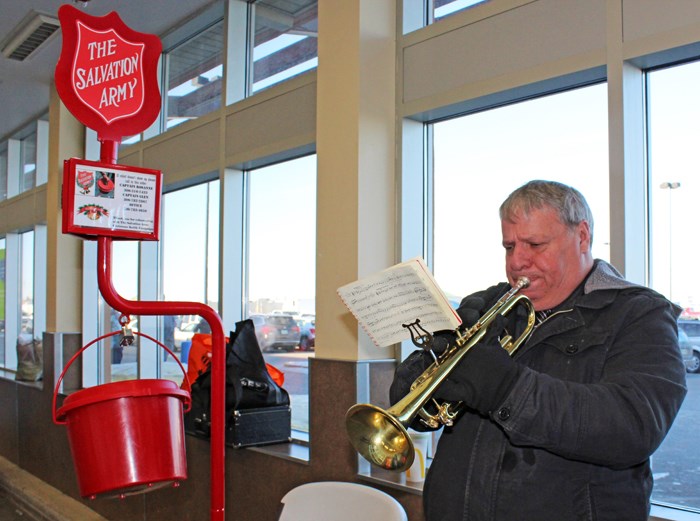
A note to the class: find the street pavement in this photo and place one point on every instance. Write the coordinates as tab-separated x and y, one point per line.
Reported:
676	464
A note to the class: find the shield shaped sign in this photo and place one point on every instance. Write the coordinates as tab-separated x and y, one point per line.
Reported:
107	73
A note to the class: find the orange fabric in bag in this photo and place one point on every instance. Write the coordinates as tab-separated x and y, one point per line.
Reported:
276	374
199	359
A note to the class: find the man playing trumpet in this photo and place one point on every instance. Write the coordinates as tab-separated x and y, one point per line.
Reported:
563	430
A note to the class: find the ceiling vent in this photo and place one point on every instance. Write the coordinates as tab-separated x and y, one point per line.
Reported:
30	34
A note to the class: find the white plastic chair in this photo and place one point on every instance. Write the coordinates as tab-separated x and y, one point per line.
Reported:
340	501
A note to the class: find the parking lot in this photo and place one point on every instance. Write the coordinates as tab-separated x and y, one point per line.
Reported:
676	464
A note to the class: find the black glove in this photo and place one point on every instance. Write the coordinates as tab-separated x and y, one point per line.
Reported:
475	305
470	310
407	372
485	376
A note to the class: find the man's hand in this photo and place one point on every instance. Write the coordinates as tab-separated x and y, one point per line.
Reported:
471	309
485	376
407	372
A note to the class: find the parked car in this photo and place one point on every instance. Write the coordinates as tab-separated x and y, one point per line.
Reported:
294	314
185	333
690	355
689	337
276	332
307	341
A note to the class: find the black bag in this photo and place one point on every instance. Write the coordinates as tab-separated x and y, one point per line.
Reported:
248	382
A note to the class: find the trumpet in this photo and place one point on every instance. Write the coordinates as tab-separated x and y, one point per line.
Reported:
381	436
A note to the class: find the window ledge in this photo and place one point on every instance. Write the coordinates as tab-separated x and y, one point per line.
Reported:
291	451
294	450
665	513
6	374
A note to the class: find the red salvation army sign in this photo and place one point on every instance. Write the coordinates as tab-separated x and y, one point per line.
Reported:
107	73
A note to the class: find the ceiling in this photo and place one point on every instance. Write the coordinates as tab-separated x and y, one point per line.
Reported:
24	85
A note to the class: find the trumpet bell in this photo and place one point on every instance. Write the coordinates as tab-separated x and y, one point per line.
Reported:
379	437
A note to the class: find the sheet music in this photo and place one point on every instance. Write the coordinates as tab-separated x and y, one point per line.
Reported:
398	295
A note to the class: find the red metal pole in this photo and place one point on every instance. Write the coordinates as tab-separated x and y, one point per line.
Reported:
108	153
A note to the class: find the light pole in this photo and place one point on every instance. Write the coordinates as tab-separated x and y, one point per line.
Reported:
670	185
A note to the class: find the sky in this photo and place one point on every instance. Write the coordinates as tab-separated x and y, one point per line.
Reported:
282	237
675	158
480	159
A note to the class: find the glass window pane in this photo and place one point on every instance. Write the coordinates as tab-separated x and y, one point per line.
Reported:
286	40
443	8
3	175
26	291
190	261
125	269
212	251
28	162
674	188
3	255
130	140
194	76
282	272
480	158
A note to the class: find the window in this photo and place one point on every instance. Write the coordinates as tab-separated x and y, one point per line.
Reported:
282	271
125	268
28	153
26	288
190	263
674	186
193	76
130	140
3	174
3	299
285	42
444	8
480	158
22	276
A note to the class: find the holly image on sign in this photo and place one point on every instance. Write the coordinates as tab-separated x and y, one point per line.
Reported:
93	211
107	73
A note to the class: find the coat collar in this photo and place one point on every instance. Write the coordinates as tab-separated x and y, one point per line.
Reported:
605	276
599	291
603	285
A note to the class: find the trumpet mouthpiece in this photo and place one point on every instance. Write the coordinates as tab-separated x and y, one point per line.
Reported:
523	282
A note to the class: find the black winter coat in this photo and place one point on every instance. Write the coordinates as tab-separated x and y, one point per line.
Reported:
602	384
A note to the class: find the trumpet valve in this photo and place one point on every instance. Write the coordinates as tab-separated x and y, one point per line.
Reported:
506	340
447	418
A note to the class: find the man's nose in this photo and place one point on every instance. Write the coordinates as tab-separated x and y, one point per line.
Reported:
519	258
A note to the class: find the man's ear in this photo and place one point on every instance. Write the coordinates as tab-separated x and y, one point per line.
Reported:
584	234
